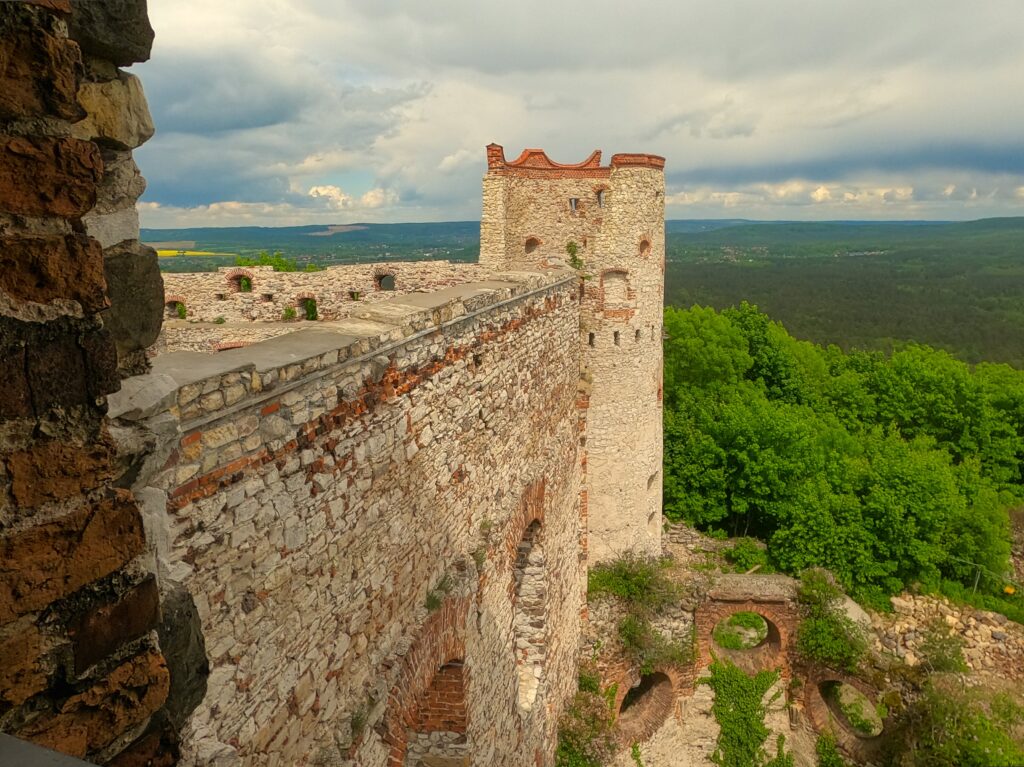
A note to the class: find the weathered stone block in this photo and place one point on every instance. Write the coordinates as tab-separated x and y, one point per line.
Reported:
92	719
118	30
17	399
38	71
122	183
136	292
113	228
42	269
118	115
56	470
48	176
99	632
50	561
24	671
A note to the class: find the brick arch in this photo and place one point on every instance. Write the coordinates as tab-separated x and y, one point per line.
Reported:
643	247
782	618
174	298
531	509
660	704
861	749
432	668
234	279
304	296
226	345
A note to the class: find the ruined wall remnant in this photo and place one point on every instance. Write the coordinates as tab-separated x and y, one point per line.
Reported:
81	669
347	504
534	212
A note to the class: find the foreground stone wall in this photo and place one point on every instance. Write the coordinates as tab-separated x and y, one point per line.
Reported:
81	667
347	504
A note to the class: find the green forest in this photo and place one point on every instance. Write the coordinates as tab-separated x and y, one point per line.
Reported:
891	470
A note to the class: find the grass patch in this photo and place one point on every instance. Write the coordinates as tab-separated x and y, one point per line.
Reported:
638	581
586	730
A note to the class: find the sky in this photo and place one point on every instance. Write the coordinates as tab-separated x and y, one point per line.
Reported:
288	112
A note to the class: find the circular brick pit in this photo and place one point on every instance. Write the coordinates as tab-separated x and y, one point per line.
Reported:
851	708
758	648
645	707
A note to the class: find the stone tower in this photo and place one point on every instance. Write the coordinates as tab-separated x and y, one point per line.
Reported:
614	218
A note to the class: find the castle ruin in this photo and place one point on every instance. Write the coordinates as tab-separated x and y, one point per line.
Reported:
359	541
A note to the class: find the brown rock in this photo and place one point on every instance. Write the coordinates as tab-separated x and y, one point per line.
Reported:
50	561
17	399
92	719
23	672
99	632
154	749
56	470
38	71
43	269
56	372
48	176
117	113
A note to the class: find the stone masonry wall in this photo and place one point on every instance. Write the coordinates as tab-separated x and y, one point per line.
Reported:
210	295
81	667
346	503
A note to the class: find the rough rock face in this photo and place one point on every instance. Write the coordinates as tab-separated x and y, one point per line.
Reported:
81	670
116	30
136	291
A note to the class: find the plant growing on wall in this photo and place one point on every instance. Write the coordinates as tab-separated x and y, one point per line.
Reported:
309	307
573	251
245	285
289	313
219	320
181	310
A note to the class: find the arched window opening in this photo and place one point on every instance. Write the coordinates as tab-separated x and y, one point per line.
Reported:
592	339
600	198
852	708
646	707
574	204
531	246
308	306
385	281
637	334
530	613
645	248
175	310
616	337
440	720
240	282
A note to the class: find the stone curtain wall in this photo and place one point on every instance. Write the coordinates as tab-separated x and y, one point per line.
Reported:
345	505
533	207
81	669
209	295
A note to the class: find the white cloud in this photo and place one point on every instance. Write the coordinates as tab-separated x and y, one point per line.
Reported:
261	102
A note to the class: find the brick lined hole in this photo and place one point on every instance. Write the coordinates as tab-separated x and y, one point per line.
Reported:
646	707
530	613
851	708
385	281
531	245
742	630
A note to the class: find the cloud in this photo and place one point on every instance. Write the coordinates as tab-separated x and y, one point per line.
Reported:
261	102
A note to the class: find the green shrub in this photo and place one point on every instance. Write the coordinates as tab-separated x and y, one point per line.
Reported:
826	635
277	261
309	307
1010	606
942	651
950	724
827	752
245	285
640	582
572	249
289	313
649	648
181	311
219	320
586	735
746	554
